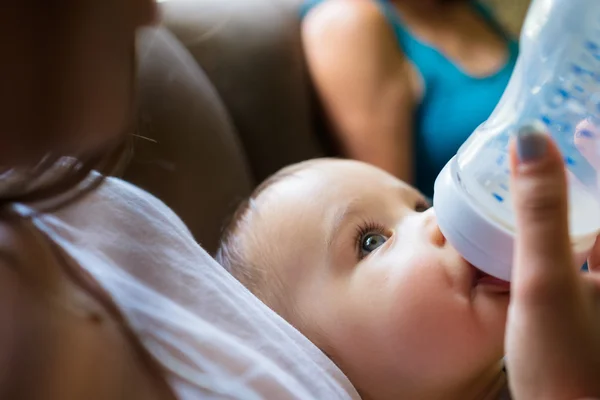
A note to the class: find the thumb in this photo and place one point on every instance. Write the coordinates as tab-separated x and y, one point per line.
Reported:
543	259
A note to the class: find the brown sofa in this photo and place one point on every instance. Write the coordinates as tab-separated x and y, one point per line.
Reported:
224	102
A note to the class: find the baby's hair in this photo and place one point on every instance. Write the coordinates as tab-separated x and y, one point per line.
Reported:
250	264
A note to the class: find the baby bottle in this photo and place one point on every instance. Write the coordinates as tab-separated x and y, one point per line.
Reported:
555	84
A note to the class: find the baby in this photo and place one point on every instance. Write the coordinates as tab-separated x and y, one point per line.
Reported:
354	259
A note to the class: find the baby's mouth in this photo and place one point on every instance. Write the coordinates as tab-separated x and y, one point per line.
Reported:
490	282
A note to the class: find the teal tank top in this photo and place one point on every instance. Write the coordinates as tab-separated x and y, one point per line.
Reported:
453	103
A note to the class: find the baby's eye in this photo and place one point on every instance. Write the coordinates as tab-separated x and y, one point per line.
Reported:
370	242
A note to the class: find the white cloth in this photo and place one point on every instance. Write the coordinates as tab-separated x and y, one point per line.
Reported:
216	339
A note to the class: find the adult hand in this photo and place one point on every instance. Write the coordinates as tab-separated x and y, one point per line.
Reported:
553	330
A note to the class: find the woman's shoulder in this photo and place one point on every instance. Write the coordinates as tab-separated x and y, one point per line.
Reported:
354	20
345	8
354	35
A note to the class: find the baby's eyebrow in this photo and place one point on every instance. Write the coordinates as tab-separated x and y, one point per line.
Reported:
341	215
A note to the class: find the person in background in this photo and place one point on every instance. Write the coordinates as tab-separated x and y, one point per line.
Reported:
104	294
405	82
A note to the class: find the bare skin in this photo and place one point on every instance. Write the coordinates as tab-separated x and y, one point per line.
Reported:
69	85
57	334
362	269
370	90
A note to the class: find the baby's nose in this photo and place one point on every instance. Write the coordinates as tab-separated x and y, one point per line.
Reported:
432	229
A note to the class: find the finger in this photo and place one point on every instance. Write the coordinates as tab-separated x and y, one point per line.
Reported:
543	258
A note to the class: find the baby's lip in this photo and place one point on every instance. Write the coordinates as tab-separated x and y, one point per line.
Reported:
488	281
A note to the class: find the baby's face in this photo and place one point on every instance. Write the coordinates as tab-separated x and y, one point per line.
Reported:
372	281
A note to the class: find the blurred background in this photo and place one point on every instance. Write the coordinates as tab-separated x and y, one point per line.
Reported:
509	12
226	99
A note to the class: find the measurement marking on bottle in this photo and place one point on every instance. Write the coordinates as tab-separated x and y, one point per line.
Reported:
586	133
569	161
498	197
546	120
503	186
500	160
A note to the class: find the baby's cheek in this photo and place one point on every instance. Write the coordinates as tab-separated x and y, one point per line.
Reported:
401	316
431	324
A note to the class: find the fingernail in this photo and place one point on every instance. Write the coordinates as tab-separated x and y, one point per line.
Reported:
532	142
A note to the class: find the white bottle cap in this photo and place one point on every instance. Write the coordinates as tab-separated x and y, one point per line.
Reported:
480	240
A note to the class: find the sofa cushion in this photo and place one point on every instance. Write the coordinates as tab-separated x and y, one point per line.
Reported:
187	152
251	51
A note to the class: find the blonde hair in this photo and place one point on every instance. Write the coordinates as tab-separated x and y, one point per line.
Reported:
239	258
250	265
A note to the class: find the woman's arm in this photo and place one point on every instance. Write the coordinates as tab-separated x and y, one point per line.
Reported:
364	81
